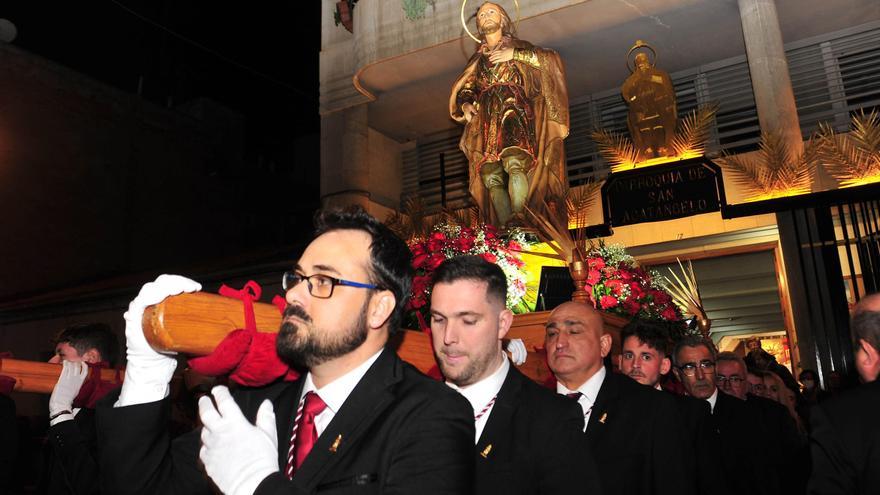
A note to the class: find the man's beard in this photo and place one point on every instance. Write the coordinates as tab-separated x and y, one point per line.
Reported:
471	372
317	346
494	28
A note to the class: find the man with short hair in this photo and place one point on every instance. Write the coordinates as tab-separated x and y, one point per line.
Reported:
358	419
71	441
645	348
745	469
845	439
635	434
784	442
527	438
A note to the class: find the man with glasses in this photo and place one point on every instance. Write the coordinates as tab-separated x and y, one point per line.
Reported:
785	442
746	466
635	433
358	418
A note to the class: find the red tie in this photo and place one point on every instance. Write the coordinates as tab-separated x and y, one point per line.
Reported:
305	434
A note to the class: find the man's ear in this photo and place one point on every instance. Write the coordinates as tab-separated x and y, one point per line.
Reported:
605	344
872	353
92	356
505	320
665	365
381	306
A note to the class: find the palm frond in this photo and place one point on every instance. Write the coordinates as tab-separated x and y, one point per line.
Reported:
616	149
694	130
773	171
854	157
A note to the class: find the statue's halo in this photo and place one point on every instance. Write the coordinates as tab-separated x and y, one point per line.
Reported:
468	31
638	46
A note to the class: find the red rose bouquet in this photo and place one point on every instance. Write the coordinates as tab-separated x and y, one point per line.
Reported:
449	240
618	285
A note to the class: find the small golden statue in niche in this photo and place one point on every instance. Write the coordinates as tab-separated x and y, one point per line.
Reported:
650	96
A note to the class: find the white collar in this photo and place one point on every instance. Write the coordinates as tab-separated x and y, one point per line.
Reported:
590	388
334	393
479	394
713	399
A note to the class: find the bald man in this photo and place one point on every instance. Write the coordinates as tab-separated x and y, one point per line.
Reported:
635	434
845	440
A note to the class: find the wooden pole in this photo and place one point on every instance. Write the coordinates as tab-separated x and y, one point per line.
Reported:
40	377
193	324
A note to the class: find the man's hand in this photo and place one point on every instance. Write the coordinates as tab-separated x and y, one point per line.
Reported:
469	111
148	372
237	455
502	55
73	375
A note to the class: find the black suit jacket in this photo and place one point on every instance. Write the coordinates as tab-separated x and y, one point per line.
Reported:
845	443
401	432
532	443
697	417
638	440
71	456
745	455
785	447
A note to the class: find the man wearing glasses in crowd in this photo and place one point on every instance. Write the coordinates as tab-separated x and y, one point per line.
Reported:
731	375
746	464
357	419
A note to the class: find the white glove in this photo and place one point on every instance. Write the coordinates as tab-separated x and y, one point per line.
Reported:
147	372
517	350
73	375
237	455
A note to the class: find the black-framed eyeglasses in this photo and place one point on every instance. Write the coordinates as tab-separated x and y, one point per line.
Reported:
733	379
690	369
320	286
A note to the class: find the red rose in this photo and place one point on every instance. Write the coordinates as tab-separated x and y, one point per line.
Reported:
419	261
420	284
636	290
616	286
490	232
417	302
596	263
631	306
593	277
625	275
466	232
463	244
607	302
491	258
436	260
661	297
514	246
669	314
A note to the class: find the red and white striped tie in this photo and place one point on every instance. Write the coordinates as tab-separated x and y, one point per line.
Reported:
485	409
305	433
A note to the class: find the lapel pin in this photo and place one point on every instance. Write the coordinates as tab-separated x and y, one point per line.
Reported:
603	418
485	452
336	443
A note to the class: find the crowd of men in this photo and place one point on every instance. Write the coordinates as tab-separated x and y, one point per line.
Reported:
679	417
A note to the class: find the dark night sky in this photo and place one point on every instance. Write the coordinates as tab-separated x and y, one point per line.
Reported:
111	41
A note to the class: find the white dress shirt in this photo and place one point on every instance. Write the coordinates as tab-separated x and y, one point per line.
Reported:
713	399
334	393
480	394
589	391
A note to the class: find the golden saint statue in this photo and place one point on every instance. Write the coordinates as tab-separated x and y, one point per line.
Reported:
650	96
513	101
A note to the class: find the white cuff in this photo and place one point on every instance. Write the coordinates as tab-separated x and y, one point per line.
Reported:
61	418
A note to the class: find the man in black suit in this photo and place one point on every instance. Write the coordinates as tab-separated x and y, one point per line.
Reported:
528	439
645	357
71	442
636	437
786	448
358	421
845	438
744	461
